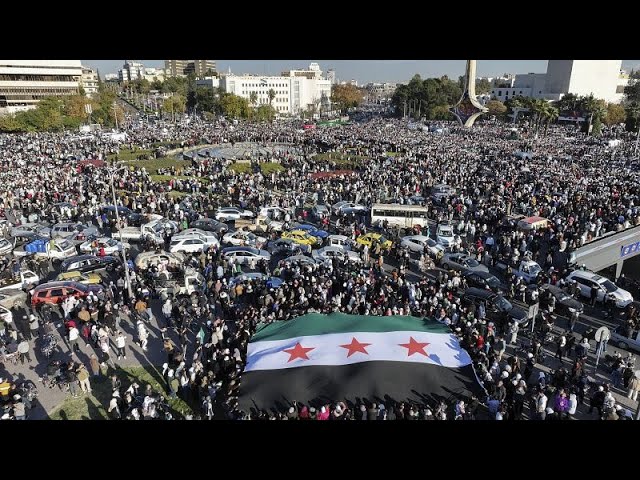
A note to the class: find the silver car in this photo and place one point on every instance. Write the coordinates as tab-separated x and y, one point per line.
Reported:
329	253
417	243
462	262
244	255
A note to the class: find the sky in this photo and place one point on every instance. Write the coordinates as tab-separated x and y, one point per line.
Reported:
363	71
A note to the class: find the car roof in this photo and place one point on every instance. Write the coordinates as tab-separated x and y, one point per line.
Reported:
59	284
239	249
416	237
479	273
479	292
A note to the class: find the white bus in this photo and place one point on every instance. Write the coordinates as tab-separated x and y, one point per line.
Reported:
403	216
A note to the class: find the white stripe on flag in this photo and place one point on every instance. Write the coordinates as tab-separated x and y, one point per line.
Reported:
442	349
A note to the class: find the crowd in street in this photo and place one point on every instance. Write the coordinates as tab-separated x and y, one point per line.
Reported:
583	187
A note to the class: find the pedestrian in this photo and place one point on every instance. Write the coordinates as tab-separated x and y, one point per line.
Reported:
561	342
513	331
120	345
95	365
634	387
593	295
500	346
34	326
114	407
72	380
143	335
573	319
74	333
23	351
19	408
83	378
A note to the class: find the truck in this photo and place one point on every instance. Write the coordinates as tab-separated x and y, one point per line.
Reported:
184	282
23	279
153	231
526	269
260	224
55	250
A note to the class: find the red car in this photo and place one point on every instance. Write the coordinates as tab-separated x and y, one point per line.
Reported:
55	292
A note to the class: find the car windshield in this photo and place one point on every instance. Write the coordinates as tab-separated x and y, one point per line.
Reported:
534	269
472	262
610	286
382	239
445	232
493	282
503	304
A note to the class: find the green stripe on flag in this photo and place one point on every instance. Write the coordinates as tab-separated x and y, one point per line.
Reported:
318	324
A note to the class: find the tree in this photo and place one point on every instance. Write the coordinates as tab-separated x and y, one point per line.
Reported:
483	86
496	108
632	105
253	98
615	114
265	113
175	104
234	106
346	96
272	94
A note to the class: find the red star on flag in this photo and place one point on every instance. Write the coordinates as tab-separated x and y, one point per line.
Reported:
355	346
414	347
298	352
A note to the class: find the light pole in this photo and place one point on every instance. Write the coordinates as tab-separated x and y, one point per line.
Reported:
111	174
115	114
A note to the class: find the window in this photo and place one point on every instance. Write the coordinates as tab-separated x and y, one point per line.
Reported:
57	292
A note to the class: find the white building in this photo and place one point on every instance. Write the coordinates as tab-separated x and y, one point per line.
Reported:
111	77
295	90
131	71
89	81
23	83
602	78
152	74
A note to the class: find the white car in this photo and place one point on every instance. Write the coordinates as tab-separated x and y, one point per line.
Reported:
585	280
5	246
446	237
72	231
187	245
341	241
110	245
233	213
329	253
244	255
208	237
273	212
242	238
417	243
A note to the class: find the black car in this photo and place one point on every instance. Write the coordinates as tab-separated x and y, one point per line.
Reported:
565	303
89	263
495	305
210	225
484	280
287	247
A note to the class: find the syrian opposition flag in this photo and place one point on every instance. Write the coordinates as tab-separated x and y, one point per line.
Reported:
318	359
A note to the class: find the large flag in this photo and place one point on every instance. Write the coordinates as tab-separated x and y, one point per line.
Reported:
317	359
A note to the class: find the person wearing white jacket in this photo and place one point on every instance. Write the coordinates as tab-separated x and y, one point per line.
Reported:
573	405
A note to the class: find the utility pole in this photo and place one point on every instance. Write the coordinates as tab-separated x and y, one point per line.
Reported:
115	113
111	174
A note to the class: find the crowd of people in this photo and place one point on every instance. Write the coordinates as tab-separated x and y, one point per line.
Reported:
582	186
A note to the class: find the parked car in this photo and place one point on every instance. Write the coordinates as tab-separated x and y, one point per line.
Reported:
621	339
341	241
271	282
187	245
302	237
210	225
6	246
484	280
226	214
311	230
12	297
80	277
286	246
244	238
320	211
606	288
329	253
461	262
373	239
73	231
146	259
111	246
55	292
89	263
417	244
244	255
446	237
301	259
207	237
565	303
496	305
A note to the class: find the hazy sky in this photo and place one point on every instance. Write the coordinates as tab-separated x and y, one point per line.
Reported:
363	70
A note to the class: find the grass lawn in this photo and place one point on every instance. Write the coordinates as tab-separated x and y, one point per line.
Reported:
94	406
240	167
268	167
126	154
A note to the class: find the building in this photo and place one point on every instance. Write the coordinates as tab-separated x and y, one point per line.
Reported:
111	77
378	91
296	90
182	68
331	76
152	74
244	85
131	71
600	78
89	81
208	82
23	83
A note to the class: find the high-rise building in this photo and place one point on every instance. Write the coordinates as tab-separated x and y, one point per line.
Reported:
89	81
181	68
23	83
131	71
331	76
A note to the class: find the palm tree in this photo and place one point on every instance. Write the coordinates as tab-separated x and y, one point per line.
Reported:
253	98
272	95
552	115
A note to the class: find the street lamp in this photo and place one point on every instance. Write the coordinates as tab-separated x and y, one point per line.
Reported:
111	172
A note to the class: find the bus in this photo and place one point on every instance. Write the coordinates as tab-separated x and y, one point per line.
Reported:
403	216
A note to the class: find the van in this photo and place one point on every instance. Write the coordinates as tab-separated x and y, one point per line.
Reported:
533	223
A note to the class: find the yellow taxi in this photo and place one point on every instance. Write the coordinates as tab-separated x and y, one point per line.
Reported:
372	239
76	276
301	237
